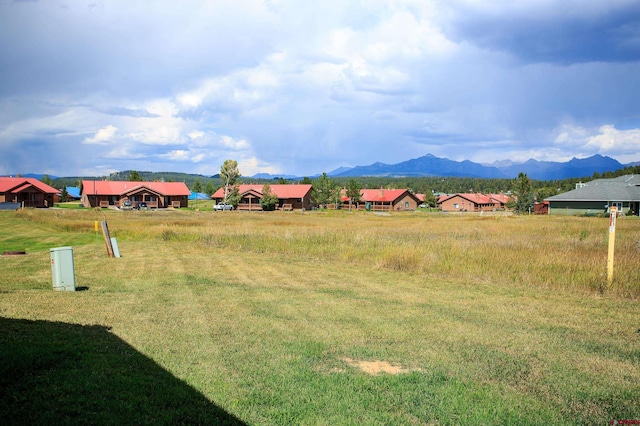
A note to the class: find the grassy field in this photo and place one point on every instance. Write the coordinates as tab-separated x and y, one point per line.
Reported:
319	318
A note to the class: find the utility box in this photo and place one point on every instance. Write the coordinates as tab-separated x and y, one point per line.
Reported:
62	270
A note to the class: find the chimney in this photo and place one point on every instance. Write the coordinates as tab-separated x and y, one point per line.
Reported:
381	193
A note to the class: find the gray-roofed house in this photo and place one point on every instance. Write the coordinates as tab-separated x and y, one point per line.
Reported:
598	195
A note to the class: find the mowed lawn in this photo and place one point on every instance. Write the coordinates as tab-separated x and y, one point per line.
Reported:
319	318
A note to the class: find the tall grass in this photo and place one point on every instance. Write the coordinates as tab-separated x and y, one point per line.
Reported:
551	252
539	251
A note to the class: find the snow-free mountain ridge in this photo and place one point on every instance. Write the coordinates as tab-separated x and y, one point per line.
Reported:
430	165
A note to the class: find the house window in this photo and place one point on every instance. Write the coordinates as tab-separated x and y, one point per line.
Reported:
406	205
456	206
617	205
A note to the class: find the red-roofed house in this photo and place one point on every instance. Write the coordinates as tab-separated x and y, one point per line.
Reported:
385	199
29	191
103	193
475	202
290	196
500	200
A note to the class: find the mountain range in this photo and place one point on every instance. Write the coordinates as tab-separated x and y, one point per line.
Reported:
430	165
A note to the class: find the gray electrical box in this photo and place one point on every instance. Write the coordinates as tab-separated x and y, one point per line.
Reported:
62	270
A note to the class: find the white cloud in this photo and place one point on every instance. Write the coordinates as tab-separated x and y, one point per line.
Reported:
196	134
251	166
103	136
176	155
157	135
234	144
623	144
578	141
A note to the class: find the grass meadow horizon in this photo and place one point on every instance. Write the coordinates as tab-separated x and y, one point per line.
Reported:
337	317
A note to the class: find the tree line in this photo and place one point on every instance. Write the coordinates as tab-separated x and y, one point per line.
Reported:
430	186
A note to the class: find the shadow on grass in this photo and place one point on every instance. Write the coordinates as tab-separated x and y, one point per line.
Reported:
59	373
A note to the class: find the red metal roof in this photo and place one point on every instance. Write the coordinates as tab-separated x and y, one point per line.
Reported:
500	198
281	191
110	187
9	184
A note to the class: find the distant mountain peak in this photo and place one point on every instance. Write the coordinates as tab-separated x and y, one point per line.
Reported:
430	165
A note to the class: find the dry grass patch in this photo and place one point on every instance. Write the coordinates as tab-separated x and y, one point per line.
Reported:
377	367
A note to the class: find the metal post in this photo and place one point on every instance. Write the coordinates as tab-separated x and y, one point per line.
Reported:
612	243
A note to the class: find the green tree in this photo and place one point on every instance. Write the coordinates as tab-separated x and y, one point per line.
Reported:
46	180
545	192
229	173
134	176
197	186
522	193
269	200
323	189
336	196
353	192
429	199
209	189
306	181
233	197
65	195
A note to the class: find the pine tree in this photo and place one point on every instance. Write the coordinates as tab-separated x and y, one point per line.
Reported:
523	194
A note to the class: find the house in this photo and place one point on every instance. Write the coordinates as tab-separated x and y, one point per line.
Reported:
115	193
384	200
499	201
475	202
290	196
598	196
28	192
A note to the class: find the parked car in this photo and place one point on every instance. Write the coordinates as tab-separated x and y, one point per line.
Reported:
142	206
126	205
222	206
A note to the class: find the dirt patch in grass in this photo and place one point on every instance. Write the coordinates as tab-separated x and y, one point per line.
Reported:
376	367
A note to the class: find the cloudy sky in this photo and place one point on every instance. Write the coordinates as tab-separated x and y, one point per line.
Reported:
296	87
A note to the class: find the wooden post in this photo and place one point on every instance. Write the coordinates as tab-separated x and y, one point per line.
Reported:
107	238
612	243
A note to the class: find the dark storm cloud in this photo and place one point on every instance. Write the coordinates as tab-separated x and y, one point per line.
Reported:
572	32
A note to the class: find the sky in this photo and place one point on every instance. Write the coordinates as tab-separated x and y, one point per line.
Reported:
293	87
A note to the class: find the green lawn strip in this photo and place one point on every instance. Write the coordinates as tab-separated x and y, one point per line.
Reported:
70	205
18	233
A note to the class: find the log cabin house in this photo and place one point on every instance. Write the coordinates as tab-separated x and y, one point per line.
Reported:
290	196
28	192
474	202
383	200
115	193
